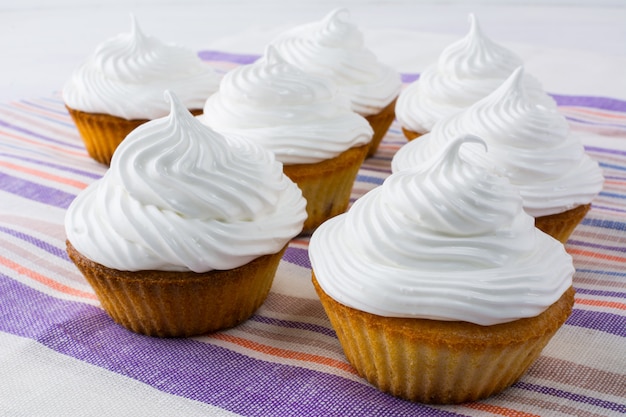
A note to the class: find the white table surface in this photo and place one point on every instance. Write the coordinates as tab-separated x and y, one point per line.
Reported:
41	42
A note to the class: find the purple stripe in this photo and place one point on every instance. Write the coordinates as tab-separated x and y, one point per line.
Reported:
55	166
51	249
605	150
60	111
597	246
295	325
613	209
298	257
572	397
601	293
615	177
597	320
409	78
604	103
39	136
595	123
190	368
228	57
35	192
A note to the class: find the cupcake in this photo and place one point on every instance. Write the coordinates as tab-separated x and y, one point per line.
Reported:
303	120
334	48
437	283
528	142
120	86
465	72
183	234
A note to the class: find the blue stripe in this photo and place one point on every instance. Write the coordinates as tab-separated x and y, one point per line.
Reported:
602	272
612	195
604	223
369	179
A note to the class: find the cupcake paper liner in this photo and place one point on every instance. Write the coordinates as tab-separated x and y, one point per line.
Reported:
380	123
561	225
410	135
102	133
441	362
180	304
327	185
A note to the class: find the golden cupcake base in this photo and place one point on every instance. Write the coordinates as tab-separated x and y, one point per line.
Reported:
180	304
410	135
441	362
327	185
561	225
102	133
380	123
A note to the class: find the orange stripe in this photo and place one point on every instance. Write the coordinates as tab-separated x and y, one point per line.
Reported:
595	112
614	182
20	269
43	174
596	255
494	409
56	148
601	303
300	241
284	353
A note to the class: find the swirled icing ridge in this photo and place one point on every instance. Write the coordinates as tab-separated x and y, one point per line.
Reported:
446	241
334	48
127	75
300	117
465	72
179	196
528	142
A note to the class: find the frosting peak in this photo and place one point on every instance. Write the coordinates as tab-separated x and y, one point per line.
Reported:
481	190
474	53
179	196
336	29
127	74
465	72
529	141
447	240
300	117
334	48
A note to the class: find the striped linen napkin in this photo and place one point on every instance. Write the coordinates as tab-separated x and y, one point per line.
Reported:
60	354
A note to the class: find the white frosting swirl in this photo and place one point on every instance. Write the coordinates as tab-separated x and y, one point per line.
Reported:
127	74
179	197
528	142
334	48
465	72
300	117
447	240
